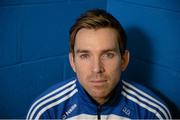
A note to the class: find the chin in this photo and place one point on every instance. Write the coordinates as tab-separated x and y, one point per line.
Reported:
100	94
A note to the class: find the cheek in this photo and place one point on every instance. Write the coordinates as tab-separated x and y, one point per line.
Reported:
113	66
113	70
115	73
82	69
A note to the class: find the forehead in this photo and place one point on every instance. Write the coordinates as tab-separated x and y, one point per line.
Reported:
96	39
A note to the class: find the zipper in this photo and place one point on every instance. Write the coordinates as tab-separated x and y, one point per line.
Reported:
99	112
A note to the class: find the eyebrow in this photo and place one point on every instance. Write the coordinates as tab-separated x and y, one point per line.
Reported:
82	51
110	50
103	51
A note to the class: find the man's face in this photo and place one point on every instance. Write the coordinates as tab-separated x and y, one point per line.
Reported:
97	61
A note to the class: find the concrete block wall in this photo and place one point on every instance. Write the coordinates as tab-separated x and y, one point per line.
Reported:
34	48
153	29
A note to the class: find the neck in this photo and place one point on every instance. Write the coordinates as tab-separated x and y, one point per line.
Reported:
113	95
101	101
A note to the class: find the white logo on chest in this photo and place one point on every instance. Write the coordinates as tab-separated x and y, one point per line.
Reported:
69	111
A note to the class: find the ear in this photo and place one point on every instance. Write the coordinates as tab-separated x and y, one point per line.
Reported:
125	60
71	61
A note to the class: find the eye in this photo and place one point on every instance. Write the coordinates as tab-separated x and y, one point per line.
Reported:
108	55
84	56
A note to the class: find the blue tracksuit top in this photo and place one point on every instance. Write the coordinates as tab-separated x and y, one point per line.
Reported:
68	100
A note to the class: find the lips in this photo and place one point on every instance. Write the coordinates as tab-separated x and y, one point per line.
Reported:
98	82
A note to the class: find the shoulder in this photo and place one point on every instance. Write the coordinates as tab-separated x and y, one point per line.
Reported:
145	98
55	95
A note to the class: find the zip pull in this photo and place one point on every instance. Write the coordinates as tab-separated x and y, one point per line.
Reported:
99	112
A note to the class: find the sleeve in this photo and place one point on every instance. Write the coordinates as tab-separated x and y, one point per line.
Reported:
37	115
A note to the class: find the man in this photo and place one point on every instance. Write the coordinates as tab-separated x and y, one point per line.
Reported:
98	56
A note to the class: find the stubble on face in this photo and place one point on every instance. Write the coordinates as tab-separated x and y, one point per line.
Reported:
97	77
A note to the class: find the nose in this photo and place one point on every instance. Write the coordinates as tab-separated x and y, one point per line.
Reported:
97	66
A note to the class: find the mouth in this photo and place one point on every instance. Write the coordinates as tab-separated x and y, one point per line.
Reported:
99	83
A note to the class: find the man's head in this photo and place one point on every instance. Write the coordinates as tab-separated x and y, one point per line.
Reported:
95	19
98	53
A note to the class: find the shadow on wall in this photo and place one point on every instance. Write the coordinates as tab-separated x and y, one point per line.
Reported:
140	67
